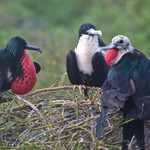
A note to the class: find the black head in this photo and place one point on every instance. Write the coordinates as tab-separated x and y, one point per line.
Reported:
17	45
85	27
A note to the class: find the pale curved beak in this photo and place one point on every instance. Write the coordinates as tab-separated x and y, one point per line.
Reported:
94	32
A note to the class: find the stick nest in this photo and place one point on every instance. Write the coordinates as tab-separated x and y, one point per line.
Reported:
59	118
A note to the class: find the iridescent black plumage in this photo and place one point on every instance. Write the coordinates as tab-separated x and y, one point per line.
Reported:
128	87
10	61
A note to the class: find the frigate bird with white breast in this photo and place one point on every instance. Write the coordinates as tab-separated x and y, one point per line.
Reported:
86	65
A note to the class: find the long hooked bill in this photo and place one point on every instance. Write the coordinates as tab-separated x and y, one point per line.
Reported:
94	32
111	46
33	48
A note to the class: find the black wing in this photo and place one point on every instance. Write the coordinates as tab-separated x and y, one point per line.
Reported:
37	67
101	121
100	68
115	92
101	43
135	127
114	97
72	69
1	83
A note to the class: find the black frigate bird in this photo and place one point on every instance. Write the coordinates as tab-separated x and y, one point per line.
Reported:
17	70
127	87
86	65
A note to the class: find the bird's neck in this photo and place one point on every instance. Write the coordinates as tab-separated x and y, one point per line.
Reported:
18	60
88	42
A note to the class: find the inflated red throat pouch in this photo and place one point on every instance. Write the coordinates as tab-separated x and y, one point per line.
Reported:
110	55
26	81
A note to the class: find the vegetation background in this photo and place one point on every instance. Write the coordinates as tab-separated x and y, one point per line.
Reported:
53	25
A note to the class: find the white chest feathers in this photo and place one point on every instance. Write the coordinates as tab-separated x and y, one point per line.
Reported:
86	48
9	75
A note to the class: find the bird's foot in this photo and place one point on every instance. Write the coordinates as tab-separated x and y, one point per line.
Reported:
80	88
98	91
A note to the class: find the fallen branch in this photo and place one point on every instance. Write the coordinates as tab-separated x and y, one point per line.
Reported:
60	88
33	107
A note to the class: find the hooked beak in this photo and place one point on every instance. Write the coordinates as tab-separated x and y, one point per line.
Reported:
111	46
94	32
33	48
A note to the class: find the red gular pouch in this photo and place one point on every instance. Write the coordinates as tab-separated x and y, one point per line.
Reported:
110	56
26	81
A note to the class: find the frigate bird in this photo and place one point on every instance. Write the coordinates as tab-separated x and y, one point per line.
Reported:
86	65
17	70
127	87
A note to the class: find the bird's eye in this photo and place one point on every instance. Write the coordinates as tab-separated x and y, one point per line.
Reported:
84	28
121	41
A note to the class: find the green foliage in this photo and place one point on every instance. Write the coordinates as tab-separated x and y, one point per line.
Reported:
1	122
8	127
53	25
